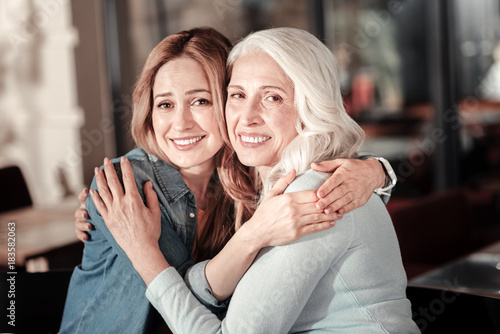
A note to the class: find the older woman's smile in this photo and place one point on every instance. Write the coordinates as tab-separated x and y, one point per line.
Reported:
249	139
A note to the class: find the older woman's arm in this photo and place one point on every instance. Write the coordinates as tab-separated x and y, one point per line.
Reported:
269	297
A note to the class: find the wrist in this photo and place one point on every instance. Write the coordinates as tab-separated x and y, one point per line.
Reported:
381	177
390	176
149	263
248	236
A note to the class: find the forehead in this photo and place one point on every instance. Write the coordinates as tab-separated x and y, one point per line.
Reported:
259	66
180	72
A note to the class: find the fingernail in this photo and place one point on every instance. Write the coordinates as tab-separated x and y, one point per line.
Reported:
96	170
333	223
106	160
122	159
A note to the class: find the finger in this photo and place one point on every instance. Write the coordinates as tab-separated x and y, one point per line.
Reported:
318	227
303	197
283	182
335	180
81	214
82	226
99	204
102	187
151	197
82	196
327	166
332	196
318	217
82	236
128	177
341	203
113	182
348	207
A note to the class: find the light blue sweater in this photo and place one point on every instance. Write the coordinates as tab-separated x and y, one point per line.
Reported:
347	279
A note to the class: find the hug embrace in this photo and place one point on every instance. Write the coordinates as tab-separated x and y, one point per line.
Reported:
245	208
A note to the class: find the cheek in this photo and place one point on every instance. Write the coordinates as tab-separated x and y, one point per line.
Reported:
230	121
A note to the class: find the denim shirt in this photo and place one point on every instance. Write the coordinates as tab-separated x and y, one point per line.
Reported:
106	294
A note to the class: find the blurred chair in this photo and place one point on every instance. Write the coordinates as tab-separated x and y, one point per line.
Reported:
39	301
61	258
433	231
14	192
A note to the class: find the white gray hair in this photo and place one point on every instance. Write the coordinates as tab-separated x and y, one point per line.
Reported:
325	130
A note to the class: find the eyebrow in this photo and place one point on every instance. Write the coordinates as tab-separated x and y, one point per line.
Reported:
260	88
189	92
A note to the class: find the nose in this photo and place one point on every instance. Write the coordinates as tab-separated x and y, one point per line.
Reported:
183	118
251	112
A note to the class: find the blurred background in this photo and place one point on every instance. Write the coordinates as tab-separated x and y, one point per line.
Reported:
422	77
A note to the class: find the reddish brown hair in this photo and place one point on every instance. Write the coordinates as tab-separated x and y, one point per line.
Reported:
210	49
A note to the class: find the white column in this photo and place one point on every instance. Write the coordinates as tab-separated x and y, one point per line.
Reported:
39	115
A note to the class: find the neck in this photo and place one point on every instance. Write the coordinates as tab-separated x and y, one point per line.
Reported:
197	181
263	172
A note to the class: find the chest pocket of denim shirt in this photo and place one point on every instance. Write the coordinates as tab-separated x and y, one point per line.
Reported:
173	241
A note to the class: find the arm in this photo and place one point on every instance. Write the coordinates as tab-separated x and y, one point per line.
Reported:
354	180
279	220
271	294
170	295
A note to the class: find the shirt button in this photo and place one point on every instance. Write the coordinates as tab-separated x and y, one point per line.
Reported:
191	215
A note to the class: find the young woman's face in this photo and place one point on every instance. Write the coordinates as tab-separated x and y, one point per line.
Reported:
260	110
184	119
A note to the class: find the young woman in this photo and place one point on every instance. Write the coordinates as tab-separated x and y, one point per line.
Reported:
177	117
283	112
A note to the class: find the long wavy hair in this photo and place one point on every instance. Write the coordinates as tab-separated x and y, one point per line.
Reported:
210	49
325	130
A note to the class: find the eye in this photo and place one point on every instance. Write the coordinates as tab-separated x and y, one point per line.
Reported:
273	98
164	105
201	102
237	96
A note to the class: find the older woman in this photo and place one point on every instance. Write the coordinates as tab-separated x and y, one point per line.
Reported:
177	122
284	111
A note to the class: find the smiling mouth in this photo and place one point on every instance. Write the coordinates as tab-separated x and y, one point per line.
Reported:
184	142
254	140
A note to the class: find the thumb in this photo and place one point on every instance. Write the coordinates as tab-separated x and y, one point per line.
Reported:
327	166
283	182
151	197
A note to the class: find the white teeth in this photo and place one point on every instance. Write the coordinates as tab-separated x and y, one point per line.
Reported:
254	139
187	141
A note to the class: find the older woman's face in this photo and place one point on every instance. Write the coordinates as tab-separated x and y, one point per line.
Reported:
260	110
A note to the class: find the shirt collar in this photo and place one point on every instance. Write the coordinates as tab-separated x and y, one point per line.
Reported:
169	178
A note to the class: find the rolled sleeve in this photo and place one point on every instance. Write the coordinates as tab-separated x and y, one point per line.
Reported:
197	282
